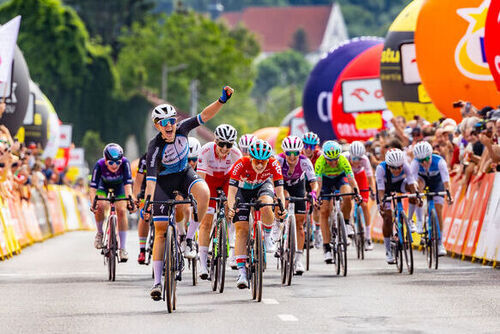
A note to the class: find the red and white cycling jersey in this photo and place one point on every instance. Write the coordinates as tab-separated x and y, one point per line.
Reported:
244	176
210	164
363	166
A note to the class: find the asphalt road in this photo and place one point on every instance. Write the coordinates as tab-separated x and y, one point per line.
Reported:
60	286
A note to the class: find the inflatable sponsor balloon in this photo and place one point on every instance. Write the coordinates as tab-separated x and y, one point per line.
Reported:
269	134
18	94
295	122
358	102
317	98
451	56
37	120
492	40
403	90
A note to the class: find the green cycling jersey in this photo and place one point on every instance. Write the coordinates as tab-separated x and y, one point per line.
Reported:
343	168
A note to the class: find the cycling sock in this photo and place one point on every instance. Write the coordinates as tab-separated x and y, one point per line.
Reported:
240	263
203	255
232	233
327	248
99	226
267	229
193	226
411	210
298	256
123	239
368	233
387	244
158	270
142	243
420	215
346	222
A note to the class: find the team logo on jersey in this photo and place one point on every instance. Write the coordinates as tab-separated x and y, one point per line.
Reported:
470	56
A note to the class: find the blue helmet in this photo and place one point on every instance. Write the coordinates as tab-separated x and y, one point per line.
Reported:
332	150
260	150
310	138
113	152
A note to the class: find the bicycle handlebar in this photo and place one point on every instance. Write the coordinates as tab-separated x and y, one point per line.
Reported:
172	202
112	199
258	204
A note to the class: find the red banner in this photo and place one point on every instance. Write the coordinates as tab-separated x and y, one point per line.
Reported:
491	40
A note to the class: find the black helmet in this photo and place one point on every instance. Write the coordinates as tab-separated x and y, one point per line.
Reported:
113	152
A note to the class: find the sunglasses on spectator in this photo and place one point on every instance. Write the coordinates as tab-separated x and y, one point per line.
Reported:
424	159
309	146
167	121
294	153
112	162
223	144
2	165
395	168
192	159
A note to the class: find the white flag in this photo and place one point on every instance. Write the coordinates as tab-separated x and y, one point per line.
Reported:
8	39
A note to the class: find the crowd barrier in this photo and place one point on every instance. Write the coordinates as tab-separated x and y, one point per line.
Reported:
44	215
471	226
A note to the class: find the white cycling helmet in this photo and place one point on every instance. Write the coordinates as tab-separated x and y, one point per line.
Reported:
163	111
246	140
422	150
292	143
395	157
357	149
194	147
226	133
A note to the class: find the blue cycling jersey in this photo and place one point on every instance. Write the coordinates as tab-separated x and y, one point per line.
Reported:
437	172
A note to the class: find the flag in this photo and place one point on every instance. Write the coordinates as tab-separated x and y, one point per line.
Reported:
8	39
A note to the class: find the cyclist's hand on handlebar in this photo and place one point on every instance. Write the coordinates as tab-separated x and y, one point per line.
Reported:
372	195
93	208
282	214
450	200
230	213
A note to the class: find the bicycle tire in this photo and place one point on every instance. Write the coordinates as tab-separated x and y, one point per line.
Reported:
342	245
222	255
212	259
308	234
282	260
169	264
397	252
334	242
291	243
259	269
251	265
435	238
362	226
407	244
112	249
427	249
356	238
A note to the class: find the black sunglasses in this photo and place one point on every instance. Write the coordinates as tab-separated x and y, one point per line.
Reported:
192	159
222	144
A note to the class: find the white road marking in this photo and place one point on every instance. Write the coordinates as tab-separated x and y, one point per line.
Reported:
287	317
270	301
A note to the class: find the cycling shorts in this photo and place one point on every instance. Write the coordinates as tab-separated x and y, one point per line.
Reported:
248	195
167	184
397	187
215	183
298	190
433	187
119	191
362	181
331	184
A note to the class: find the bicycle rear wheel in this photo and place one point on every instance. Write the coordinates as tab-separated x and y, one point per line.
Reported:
169	262
282	252
407	244
290	249
427	242
435	238
308	234
112	248
397	250
222	255
342	244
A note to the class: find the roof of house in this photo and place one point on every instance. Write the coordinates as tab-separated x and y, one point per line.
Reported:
275	26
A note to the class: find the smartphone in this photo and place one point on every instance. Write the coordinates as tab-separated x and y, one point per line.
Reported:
458	104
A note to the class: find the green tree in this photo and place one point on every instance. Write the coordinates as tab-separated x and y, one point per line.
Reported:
93	145
281	69
300	42
213	55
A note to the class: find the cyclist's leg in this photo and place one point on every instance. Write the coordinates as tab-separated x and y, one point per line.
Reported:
142	231
346	205
266	195
413	202
102	208
438	204
160	219
315	221
242	229
206	225
362	181
327	186
121	212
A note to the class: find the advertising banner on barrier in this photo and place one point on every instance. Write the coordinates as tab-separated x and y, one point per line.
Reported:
31	221
4	242
489	238
69	206
41	213
55	210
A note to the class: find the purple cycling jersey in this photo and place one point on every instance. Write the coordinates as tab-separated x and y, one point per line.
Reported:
102	177
303	168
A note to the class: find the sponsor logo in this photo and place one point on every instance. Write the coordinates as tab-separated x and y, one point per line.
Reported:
324	106
470	54
390	56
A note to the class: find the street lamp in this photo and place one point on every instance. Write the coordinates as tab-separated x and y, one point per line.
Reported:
165	70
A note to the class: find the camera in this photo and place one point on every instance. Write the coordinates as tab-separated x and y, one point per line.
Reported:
480	126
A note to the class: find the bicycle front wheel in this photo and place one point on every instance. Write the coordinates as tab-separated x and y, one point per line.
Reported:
308	235
407	243
342	244
112	249
361	232
258	261
290	249
435	238
169	262
222	255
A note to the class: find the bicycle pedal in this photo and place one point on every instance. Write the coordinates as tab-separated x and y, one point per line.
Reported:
178	277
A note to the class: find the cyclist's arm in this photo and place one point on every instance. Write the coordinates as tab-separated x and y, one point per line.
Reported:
314	186
202	175
280	194
352	182
346	167
94	181
211	110
136	188
231	196
127	176
380	181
